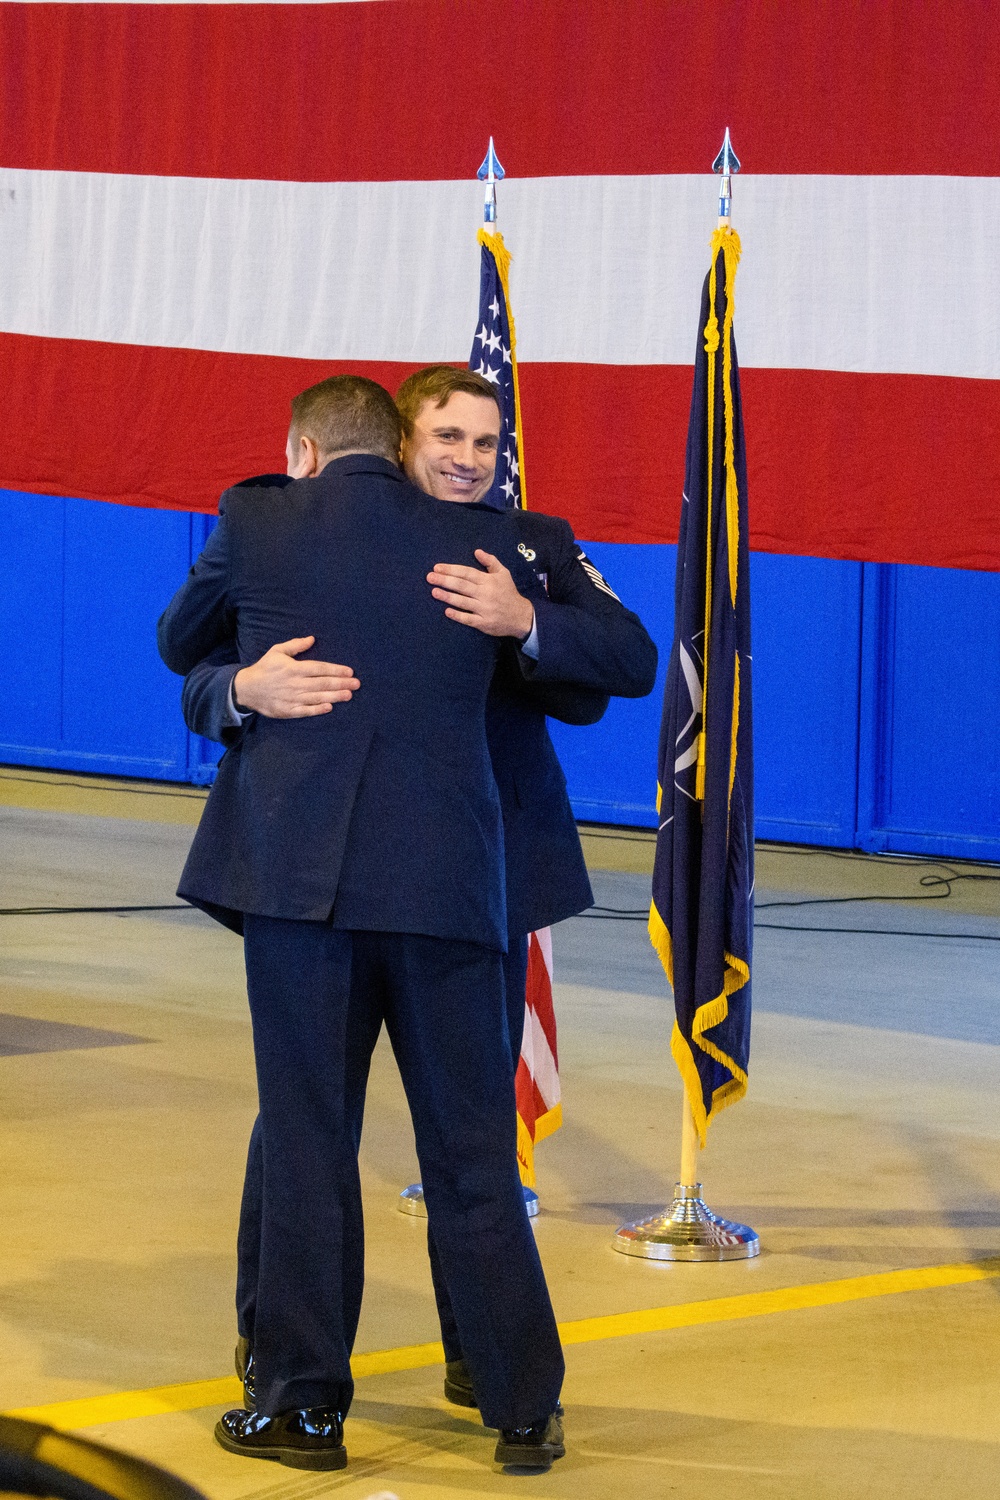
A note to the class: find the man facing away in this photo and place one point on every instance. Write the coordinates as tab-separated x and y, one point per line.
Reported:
291	851
566	650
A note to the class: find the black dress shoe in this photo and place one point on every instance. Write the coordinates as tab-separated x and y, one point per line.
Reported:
533	1447
310	1438
245	1371
458	1384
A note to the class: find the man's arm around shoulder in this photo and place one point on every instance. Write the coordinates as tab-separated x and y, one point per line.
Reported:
207	699
199	617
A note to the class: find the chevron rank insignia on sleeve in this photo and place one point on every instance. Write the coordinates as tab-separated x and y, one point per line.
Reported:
596	578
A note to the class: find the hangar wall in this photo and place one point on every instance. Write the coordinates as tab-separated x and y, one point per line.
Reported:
875	685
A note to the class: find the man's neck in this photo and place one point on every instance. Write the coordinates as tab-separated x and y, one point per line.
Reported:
329	458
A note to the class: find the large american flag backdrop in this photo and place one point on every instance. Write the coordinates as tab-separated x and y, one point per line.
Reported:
204	207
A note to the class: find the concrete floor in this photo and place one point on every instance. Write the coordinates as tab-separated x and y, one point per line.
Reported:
867	1145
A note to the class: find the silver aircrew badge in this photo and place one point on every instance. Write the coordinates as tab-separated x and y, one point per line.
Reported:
528	553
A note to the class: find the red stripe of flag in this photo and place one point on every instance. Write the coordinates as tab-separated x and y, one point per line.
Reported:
378	91
874	468
881	468
538	989
530	1104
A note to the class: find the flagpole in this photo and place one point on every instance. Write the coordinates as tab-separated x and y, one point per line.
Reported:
490	173
411	1199
687	1229
689	1144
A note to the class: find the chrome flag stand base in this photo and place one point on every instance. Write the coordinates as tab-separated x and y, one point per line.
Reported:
411	1201
687	1230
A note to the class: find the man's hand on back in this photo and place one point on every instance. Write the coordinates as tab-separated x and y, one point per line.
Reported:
280	687
487	599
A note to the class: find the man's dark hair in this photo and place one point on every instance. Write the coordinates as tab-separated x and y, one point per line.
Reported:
438	383
345	412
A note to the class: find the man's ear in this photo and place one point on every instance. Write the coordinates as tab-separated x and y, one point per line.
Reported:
311	461
303	458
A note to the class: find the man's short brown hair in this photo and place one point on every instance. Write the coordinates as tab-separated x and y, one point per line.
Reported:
345	412
438	383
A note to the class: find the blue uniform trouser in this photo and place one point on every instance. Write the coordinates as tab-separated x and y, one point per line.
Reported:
317	999
515	973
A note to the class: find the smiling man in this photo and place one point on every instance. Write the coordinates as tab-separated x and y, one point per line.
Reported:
451	429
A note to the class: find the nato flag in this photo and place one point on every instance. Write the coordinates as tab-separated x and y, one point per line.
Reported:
701	919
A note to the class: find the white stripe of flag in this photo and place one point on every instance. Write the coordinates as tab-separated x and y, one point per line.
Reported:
866	274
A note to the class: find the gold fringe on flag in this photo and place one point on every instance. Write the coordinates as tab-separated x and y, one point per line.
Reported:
545	1125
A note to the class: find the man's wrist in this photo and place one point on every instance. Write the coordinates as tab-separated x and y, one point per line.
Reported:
529	645
238	704
526	614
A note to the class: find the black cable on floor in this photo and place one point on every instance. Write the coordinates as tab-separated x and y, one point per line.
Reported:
616	913
90	786
53	911
947	881
604	914
976	937
925	880
631	914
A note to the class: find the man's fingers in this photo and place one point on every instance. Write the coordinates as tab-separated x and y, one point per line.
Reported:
309	711
295	645
318	674
321	675
293	648
308	700
449	596
490	563
302	706
453	571
324	669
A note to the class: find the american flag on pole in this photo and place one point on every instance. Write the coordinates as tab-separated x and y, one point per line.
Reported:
536	1084
494	356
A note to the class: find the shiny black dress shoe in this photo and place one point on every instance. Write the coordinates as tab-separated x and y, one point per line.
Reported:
458	1384
534	1447
245	1371
310	1438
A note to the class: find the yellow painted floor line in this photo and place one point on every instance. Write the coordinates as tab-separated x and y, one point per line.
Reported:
91	1411
784	1299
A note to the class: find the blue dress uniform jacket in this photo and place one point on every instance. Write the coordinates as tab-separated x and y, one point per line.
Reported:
340	814
591	647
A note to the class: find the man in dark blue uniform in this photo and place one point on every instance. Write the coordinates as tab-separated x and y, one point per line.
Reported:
565	653
292	851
